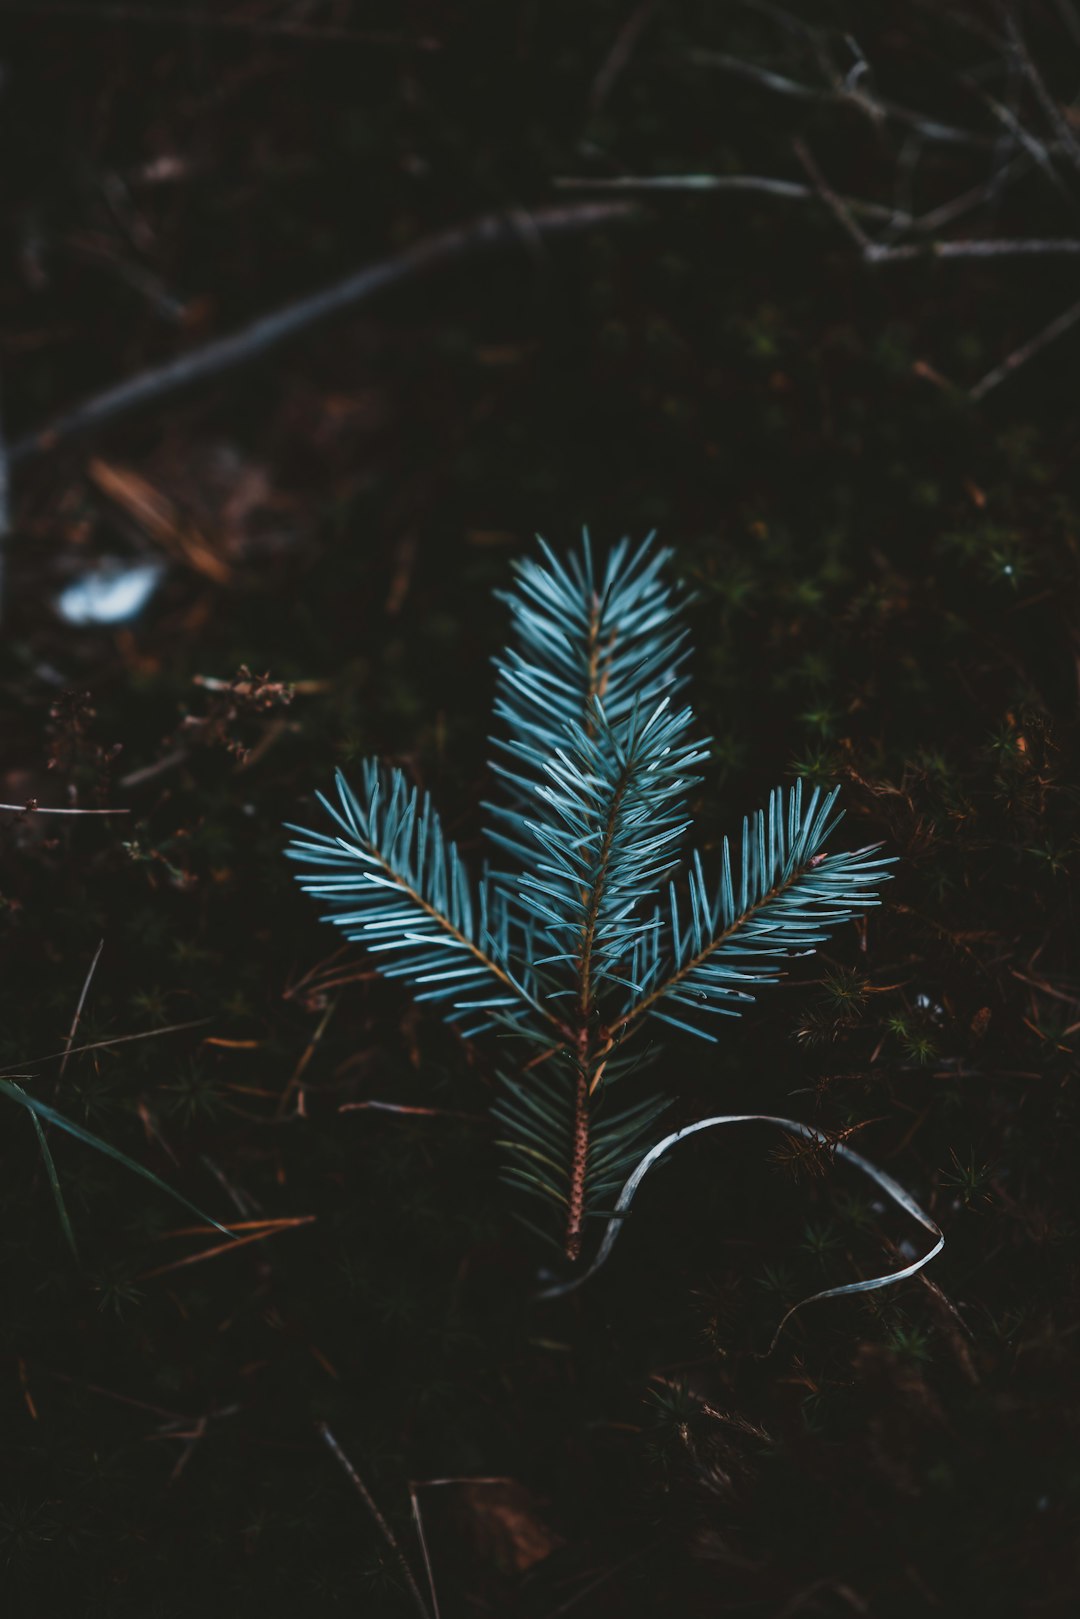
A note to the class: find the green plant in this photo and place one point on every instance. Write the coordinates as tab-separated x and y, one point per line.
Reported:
587	925
42	1115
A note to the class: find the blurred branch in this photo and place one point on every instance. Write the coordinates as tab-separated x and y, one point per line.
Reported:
620	53
844	94
1000	247
755	184
1058	122
258	338
1027	351
967	201
32	807
839	209
1036	149
883	253
1036	134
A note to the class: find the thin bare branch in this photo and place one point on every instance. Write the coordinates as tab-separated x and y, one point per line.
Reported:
947	213
268	332
1036	149
792	25
906	252
1004	247
620	53
145	773
1057	120
841	94
836	205
1069	17
754	184
1027	351
32	807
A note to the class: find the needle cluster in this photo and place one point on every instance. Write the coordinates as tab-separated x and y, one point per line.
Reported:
592	919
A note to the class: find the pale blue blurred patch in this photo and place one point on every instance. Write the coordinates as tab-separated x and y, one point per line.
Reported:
113	592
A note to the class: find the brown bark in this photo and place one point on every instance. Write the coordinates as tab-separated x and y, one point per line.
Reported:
578	1168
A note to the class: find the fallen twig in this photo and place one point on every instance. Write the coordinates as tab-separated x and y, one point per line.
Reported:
32	807
974	197
836	205
1027	351
1058	122
619	54
754	184
931	129
145	773
251	342
905	252
1002	247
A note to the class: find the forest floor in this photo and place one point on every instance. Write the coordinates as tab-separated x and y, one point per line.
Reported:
886	572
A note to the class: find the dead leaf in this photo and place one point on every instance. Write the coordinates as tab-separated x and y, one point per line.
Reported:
506	1526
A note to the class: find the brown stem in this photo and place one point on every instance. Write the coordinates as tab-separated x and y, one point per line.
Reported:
578	1168
596	681
594	899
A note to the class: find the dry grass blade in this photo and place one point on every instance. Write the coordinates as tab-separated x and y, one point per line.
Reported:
380	1522
418	1522
239	1225
158	518
103	1045
79	1008
269	1230
402	1107
297	1077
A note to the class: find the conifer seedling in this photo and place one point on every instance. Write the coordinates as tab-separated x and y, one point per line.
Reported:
594	920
